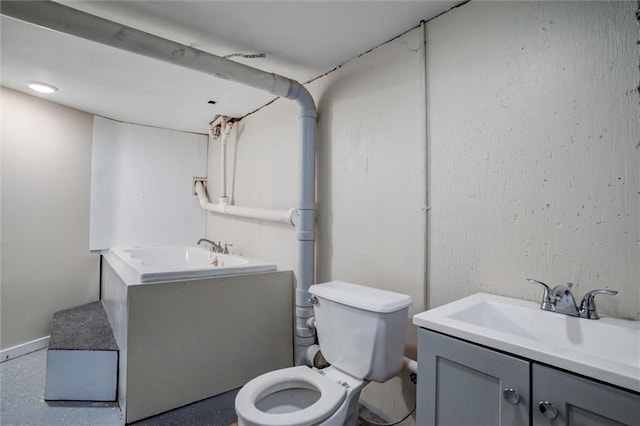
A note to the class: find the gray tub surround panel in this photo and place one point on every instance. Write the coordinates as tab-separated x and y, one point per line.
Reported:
185	341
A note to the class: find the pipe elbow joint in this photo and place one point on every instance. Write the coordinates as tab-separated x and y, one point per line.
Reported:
300	94
282	86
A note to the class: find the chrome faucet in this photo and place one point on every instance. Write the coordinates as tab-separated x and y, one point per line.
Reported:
213	246
560	299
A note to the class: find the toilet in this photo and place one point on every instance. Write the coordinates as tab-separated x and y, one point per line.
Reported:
361	332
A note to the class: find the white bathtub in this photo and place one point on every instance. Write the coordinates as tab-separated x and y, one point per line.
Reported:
159	264
169	306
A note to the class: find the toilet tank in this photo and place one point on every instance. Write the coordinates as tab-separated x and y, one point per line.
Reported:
361	330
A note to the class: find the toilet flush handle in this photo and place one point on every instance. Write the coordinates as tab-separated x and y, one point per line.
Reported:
313	300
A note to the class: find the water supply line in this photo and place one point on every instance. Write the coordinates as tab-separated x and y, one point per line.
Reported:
70	21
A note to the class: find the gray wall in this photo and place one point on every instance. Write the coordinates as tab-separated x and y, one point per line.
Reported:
46	263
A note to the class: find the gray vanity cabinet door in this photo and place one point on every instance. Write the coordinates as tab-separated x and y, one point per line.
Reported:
463	384
579	401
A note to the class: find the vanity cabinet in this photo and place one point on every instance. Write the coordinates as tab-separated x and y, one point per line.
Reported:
461	383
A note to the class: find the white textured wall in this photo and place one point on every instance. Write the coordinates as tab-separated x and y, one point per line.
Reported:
533	161
370	173
46	263
535	150
370	183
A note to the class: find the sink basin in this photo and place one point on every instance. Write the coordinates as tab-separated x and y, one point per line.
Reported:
607	349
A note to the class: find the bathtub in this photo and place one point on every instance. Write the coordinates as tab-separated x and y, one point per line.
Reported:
160	264
188	329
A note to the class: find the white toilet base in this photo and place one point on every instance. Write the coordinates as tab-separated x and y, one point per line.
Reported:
347	415
281	403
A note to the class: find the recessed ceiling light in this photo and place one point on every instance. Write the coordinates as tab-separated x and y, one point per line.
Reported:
41	87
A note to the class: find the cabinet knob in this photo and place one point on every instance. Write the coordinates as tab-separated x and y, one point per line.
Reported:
548	410
511	396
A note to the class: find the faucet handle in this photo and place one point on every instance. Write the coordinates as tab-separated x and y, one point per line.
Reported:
588	304
547	300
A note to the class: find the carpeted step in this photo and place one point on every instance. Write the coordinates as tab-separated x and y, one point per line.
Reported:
82	359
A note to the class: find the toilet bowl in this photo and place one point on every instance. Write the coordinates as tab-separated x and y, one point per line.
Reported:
299	396
361	334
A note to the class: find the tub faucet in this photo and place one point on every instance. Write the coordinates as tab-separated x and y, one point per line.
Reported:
213	246
560	299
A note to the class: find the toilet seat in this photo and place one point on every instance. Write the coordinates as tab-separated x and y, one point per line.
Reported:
331	396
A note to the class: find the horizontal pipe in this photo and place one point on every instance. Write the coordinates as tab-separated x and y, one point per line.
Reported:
282	216
410	364
67	20
273	215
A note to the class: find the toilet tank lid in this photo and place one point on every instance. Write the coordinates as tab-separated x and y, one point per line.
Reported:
362	297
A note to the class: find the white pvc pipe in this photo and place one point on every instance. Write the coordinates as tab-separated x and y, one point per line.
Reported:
282	216
311	353
410	364
223	162
67	20
273	215
74	22
305	221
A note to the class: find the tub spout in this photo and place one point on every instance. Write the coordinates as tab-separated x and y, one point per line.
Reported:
213	246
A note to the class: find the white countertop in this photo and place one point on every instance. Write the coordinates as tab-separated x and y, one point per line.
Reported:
607	349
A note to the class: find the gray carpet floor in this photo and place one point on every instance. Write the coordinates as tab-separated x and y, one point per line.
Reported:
22	403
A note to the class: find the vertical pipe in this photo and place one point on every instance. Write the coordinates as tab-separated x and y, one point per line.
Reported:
305	223
226	130
223	166
426	205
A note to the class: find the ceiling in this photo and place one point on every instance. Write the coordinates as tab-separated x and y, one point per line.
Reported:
300	40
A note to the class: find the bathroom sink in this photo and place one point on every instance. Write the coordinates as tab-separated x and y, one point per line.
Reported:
607	349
